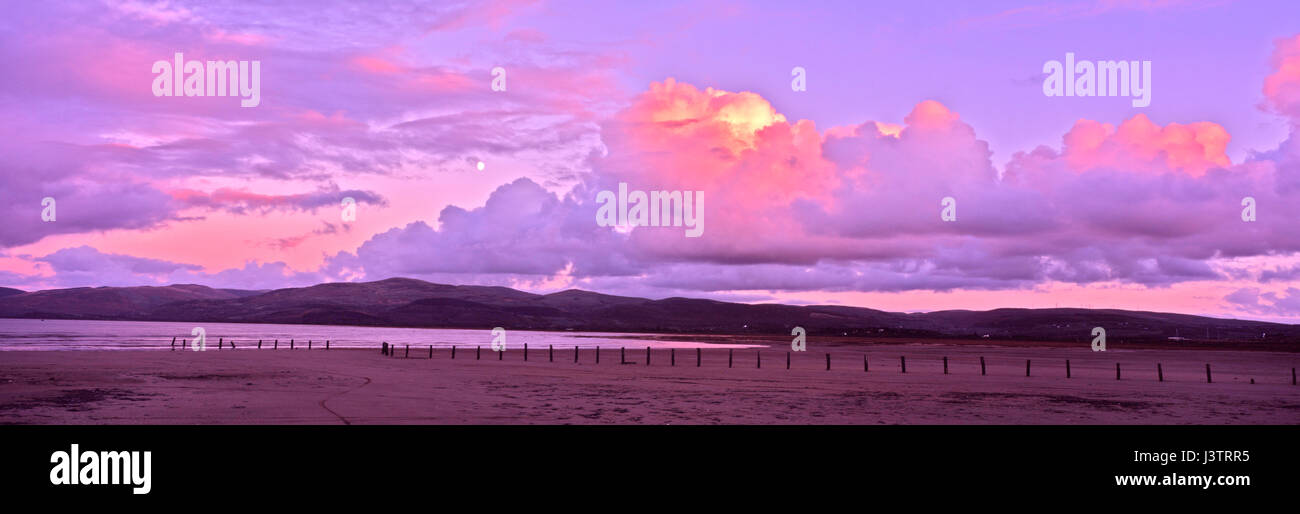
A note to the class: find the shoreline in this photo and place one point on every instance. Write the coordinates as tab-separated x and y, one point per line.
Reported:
351	386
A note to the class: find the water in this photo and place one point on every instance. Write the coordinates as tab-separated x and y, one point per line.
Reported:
35	334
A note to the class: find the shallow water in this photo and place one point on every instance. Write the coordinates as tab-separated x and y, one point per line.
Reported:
35	334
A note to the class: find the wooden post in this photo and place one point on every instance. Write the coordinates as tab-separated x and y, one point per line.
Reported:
1160	372
1292	376
903	360
1116	371
259	344
407	355
672	357
647	356
275	345
828	362
865	368
430	351
697	357
173	343
622	352
478	352
1208	379
982	370
550	353
575	354
453	352
525	352
598	354
501	354
309	344
1067	368
758	356
728	357
1026	367
787	360
291	344
945	364
221	341
327	344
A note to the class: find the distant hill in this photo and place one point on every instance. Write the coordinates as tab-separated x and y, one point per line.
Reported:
415	303
9	291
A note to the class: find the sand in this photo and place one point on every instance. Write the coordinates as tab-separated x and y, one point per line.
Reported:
249	386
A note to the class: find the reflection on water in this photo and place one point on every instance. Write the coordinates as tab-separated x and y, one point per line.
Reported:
35	334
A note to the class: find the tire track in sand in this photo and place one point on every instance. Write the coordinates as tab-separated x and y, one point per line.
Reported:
341	393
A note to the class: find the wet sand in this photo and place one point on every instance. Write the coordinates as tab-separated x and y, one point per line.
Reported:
249	386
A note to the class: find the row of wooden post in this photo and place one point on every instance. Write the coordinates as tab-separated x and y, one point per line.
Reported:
221	343
386	349
758	361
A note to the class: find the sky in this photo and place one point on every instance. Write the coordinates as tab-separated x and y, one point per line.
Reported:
823	139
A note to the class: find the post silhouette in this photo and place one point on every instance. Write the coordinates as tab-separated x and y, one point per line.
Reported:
1116	371
828	362
982	372
1067	368
1026	367
1208	379
173	343
728	357
902	360
259	344
945	364
1160	372
697	357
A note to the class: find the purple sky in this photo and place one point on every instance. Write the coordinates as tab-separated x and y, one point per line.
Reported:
829	195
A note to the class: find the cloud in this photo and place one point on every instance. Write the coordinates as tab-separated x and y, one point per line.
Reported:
857	208
84	266
1250	299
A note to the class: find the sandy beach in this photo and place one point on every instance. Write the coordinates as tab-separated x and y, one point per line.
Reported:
249	386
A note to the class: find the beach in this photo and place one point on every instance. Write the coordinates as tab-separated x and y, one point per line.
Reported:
250	386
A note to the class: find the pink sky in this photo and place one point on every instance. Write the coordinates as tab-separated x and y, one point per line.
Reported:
829	195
